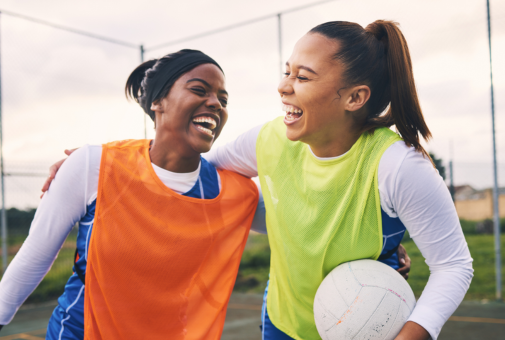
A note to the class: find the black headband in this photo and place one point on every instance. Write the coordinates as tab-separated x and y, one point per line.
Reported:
171	71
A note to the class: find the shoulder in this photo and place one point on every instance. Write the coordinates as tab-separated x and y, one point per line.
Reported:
273	127
400	158
81	158
392	160
87	158
85	162
127	143
237	180
401	167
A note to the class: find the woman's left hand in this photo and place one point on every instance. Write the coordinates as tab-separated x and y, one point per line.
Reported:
404	262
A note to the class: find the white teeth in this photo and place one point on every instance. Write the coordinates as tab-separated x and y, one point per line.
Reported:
207	120
290	109
205	130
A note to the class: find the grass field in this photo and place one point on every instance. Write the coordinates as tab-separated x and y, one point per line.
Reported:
254	267
253	272
482	250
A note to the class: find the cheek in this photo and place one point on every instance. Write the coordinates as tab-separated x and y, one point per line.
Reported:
318	108
224	117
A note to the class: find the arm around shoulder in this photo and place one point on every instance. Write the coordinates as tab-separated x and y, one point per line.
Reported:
239	155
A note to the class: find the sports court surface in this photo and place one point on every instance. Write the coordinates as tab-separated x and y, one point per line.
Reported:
472	320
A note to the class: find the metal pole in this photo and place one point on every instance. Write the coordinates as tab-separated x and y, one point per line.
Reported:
451	169
451	187
145	118
496	213
4	215
279	30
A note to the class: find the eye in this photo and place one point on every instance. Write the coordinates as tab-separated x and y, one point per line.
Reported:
198	90
302	78
224	102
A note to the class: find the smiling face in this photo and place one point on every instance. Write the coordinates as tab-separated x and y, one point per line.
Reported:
194	112
313	92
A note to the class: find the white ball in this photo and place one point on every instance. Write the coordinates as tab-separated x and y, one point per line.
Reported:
362	299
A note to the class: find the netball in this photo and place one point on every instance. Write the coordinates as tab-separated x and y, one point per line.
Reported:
362	299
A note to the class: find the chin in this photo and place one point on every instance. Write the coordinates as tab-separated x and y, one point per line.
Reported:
202	147
293	136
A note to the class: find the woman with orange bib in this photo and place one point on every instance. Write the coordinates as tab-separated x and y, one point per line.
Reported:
161	232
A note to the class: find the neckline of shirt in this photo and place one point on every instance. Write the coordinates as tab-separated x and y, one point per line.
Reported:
326	158
177	181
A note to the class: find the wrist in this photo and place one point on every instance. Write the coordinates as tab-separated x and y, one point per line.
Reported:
413	331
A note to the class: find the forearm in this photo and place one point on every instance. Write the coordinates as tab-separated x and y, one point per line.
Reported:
425	207
443	293
23	275
50	227
413	331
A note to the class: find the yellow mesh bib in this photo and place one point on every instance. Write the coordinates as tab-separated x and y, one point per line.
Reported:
319	214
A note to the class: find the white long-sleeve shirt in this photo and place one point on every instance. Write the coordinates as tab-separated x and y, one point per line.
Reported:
412	190
65	203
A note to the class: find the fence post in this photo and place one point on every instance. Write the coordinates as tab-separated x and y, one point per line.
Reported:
279	30
145	118
2	183
496	195
451	181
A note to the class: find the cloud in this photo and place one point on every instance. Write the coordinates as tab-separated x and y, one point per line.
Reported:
62	90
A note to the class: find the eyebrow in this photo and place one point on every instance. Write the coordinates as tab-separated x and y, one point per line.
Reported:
306	68
206	84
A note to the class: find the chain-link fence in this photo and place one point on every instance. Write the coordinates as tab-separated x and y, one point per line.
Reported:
57	85
62	90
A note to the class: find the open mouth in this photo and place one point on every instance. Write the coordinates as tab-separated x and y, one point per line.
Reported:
205	124
293	113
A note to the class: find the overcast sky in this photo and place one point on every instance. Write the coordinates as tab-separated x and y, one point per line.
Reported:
63	90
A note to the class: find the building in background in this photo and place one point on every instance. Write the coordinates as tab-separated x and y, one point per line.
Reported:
477	205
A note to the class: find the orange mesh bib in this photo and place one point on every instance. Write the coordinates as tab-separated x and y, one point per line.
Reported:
161	265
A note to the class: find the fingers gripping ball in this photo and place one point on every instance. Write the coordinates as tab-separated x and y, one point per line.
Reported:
362	299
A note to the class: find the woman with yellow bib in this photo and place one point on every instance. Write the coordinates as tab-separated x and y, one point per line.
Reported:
161	232
339	185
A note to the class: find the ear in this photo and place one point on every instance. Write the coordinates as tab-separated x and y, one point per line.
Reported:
156	106
358	97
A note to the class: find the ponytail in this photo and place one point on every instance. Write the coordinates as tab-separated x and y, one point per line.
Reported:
133	89
404	109
378	57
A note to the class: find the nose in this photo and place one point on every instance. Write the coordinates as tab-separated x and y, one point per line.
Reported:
214	103
285	86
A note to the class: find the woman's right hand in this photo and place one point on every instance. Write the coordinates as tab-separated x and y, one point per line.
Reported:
53	170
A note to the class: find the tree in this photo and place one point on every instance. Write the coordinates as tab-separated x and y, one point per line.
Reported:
438	164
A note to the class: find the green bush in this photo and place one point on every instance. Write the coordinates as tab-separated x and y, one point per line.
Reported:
468	226
18	224
254	266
